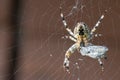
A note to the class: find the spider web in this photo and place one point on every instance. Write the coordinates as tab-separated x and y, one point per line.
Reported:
43	45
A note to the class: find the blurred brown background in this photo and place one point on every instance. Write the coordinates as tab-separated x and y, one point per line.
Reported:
32	47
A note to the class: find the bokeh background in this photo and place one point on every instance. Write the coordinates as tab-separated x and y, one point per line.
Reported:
32	43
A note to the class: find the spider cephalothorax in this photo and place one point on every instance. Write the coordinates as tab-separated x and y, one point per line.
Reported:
82	29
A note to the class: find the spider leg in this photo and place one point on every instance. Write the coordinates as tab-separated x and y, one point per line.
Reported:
97	24
71	38
65	23
101	64
68	53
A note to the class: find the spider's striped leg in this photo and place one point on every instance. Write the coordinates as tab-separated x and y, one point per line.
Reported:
68	53
65	23
101	64
63	18
72	38
97	24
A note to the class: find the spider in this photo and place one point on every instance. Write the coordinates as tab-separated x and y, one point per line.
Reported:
82	36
